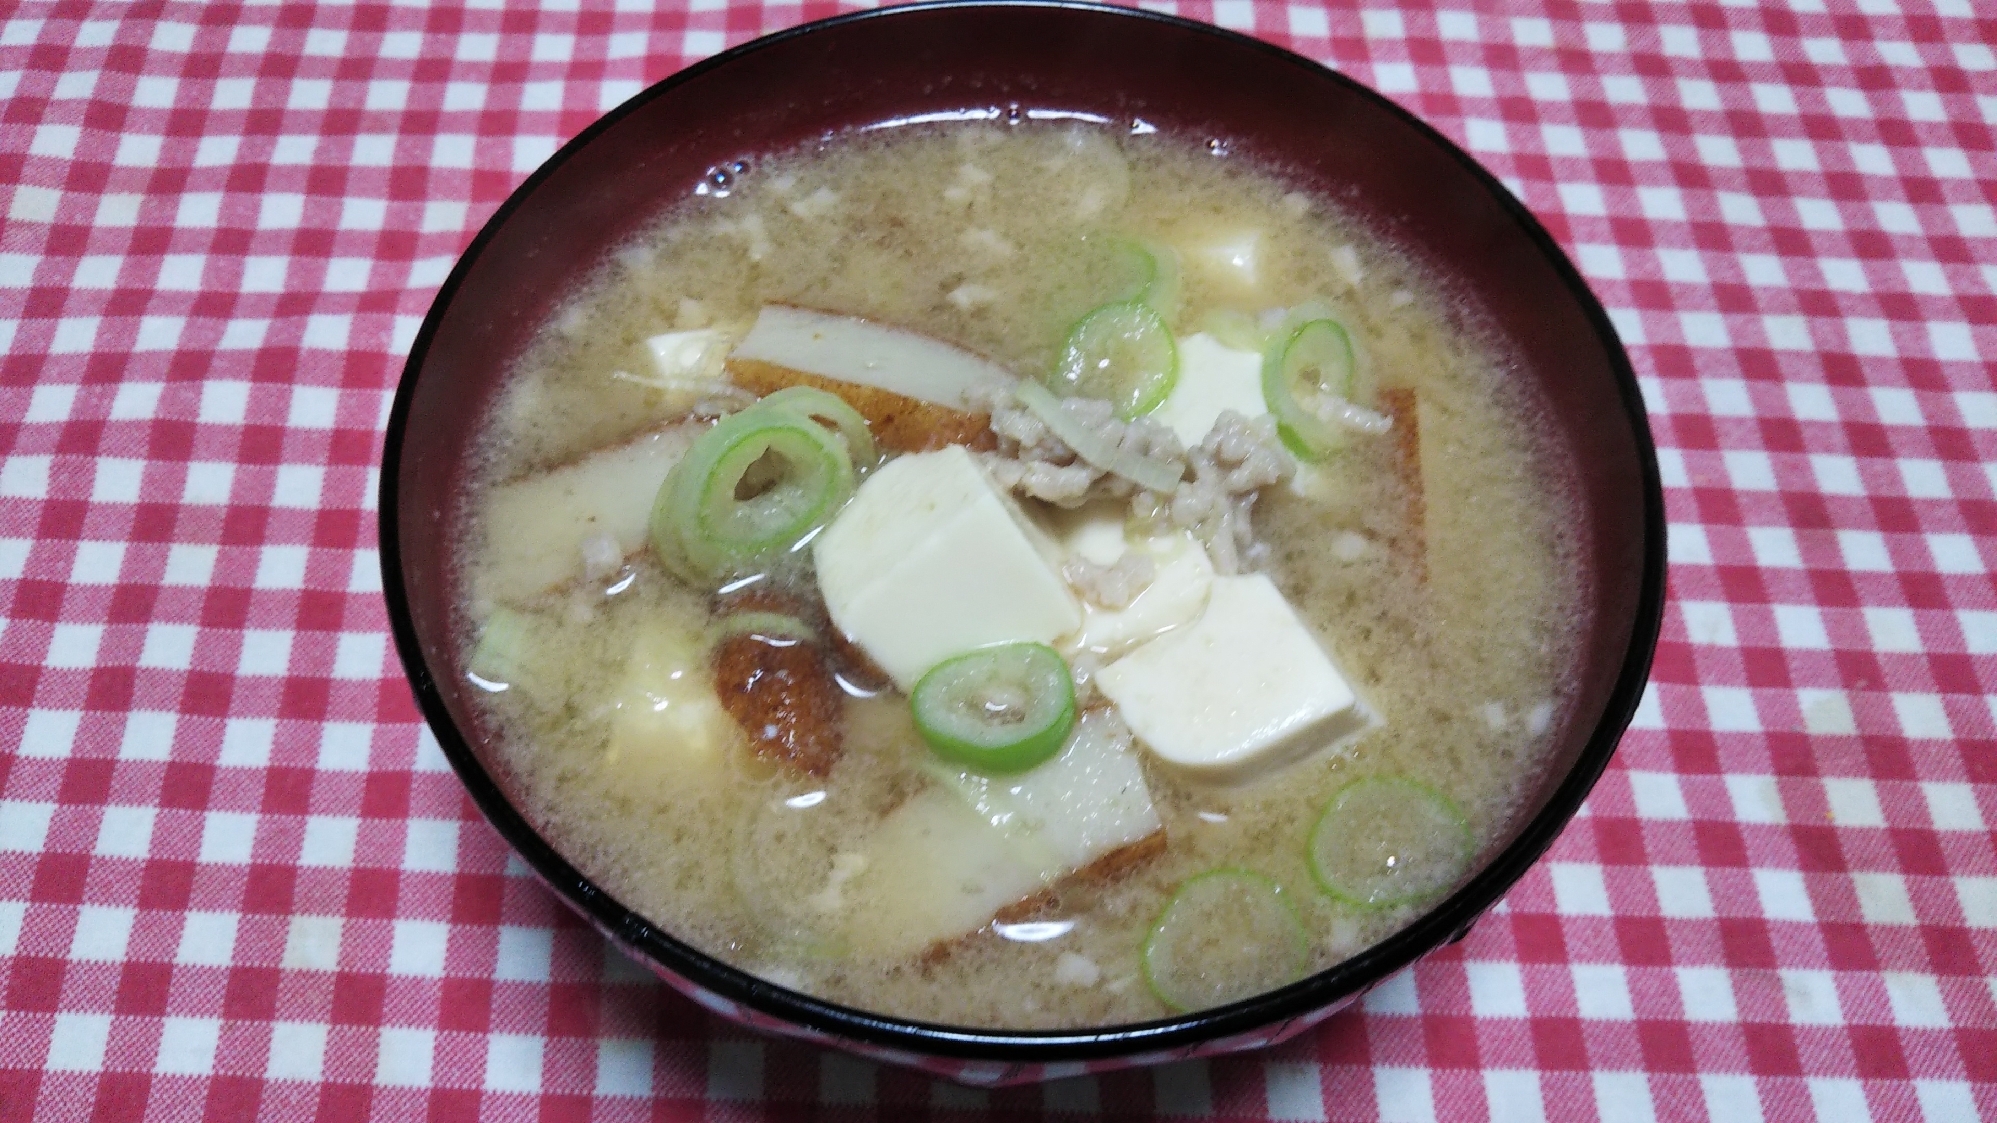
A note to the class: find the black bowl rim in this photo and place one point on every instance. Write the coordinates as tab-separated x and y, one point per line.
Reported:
1334	986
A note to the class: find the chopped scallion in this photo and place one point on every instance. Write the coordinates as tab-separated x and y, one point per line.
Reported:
1122	353
997	709
505	645
1226	935
826	407
1389	840
1151	273
757	484
1304	374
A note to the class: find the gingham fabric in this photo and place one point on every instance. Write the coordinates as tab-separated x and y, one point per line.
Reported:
236	879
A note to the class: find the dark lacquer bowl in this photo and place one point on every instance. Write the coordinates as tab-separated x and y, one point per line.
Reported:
1268	105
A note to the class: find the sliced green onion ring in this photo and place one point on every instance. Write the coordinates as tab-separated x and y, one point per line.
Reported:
1154	475
1389	840
997	709
823	406
814	477
1290	319
758	483
1313	362
505	648
1226	935
1122	353
1153	269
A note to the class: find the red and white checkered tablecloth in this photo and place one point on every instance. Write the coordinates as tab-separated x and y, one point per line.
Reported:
237	879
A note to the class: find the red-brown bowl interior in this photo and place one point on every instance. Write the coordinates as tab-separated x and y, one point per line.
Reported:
1328	134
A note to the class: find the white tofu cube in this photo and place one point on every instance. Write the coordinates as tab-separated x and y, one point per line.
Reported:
1178	589
818	204
1213	377
931	560
1244	689
1093	532
1345	259
686	355
1174	598
667	726
1231	258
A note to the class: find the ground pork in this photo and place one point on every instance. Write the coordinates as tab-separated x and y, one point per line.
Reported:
1219	479
1111	586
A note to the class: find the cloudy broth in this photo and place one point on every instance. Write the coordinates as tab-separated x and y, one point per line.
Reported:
1454	612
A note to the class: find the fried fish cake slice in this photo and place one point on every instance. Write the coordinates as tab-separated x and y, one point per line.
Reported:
900	423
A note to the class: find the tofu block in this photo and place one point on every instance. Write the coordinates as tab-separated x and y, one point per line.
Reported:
535	527
1244	689
856	350
688	355
955	854
1094	531
667	724
1213	377
1228	257
931	560
1176	595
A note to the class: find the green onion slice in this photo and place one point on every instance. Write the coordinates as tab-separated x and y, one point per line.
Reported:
758	483
1226	935
997	709
1313	361
1389	840
830	409
505	650
749	505
1297	315
1123	354
1151	272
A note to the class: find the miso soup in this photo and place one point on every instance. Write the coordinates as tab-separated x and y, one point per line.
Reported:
1020	576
